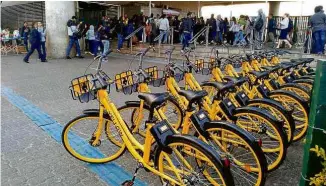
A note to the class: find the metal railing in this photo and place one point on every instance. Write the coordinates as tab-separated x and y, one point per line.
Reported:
132	34
194	39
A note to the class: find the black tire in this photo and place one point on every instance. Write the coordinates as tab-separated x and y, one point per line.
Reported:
298	87
77	155
205	149
250	141
302	103
275	125
283	113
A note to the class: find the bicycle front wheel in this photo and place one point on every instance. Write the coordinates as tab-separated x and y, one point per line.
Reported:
265	128
78	138
248	163
191	162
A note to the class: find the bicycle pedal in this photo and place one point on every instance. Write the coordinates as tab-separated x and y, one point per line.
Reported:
127	183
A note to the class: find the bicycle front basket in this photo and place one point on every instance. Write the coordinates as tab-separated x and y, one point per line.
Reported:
124	82
83	88
157	77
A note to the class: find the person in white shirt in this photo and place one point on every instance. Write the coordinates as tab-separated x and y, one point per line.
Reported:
283	25
164	27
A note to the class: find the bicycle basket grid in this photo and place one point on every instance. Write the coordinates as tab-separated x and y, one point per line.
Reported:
83	88
157	77
205	67
124	82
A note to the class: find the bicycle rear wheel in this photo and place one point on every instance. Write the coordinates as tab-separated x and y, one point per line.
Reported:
191	162
78	139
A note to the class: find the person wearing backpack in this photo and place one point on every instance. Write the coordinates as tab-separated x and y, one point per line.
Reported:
151	29
73	37
259	25
283	26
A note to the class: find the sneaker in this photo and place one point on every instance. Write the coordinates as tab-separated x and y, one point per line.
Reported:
81	57
68	57
44	61
118	50
26	61
182	51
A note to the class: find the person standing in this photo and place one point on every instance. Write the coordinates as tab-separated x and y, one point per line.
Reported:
35	40
119	30
212	29
187	29
90	35
42	32
73	38
164	27
318	24
284	31
259	25
271	29
104	37
25	33
219	29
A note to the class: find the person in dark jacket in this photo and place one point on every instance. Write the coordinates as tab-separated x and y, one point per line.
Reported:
212	29
318	24
119	30
35	40
271	28
25	33
104	37
187	29
176	24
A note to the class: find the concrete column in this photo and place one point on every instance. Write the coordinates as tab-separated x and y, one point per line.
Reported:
274	7
57	13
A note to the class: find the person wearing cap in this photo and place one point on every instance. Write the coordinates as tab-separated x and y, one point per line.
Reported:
73	37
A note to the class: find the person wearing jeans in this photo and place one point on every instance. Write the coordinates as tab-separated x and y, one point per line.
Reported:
42	32
73	39
35	40
318	24
90	35
104	36
187	29
119	30
164	27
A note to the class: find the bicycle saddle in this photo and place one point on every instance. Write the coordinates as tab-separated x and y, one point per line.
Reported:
260	75
154	99
237	81
193	96
302	60
271	68
221	87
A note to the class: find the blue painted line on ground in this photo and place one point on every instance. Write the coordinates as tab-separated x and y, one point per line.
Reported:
111	172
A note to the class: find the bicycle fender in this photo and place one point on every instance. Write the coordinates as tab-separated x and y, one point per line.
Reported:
272	102
195	141
96	112
310	81
260	112
293	95
295	86
231	127
135	104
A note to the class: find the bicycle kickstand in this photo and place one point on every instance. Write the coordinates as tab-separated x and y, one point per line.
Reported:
131	182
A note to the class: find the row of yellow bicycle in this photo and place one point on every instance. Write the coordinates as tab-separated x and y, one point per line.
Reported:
230	130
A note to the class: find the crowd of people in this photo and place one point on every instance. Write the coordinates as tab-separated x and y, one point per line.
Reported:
236	31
